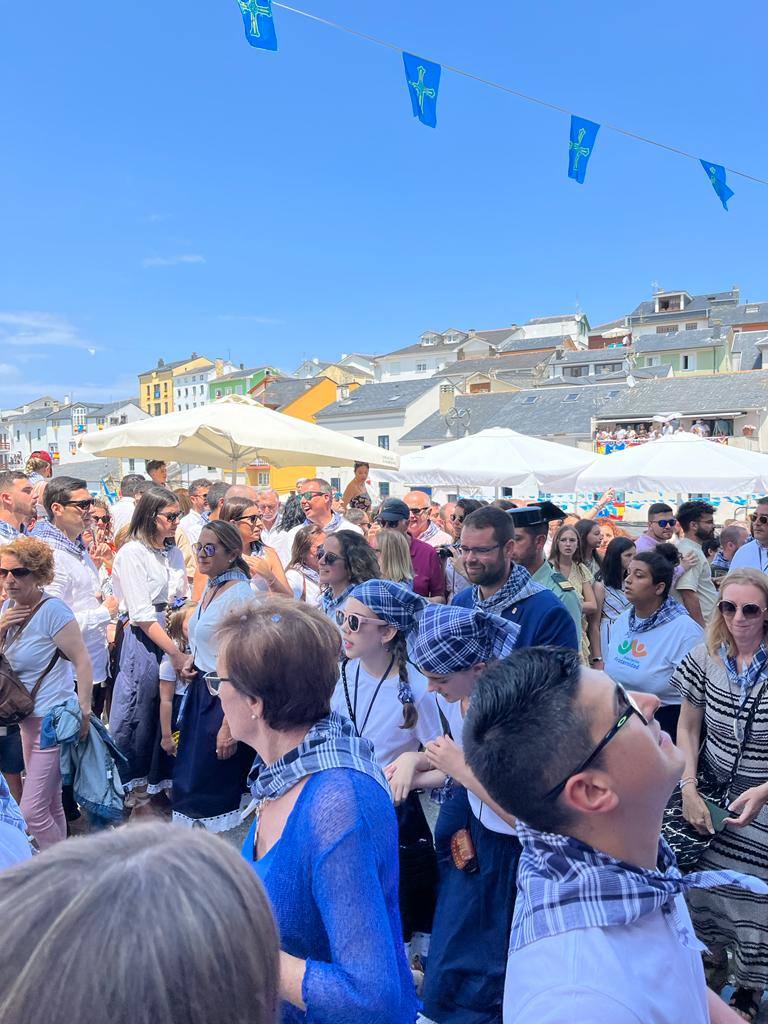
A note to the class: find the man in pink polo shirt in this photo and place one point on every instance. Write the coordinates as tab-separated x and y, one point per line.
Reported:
428	575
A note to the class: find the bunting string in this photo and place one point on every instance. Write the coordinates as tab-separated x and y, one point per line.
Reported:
716	172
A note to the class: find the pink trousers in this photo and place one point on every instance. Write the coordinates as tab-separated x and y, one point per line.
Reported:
41	800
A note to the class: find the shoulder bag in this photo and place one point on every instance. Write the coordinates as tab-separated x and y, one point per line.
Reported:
16	701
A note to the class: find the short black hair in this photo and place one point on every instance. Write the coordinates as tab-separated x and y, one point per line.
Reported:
524	732
59	490
710	546
132	485
469	505
216	494
657	508
199	484
690	511
613	574
154	464
661	561
501	523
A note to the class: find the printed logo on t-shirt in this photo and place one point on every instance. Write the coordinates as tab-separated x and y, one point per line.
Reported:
637	648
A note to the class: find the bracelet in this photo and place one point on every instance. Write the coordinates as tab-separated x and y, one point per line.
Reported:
686	782
594	661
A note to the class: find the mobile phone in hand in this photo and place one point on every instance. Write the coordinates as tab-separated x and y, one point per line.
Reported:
717	814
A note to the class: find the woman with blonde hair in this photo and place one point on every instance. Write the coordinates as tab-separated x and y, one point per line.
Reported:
724	686
567	558
42	642
395	557
214	957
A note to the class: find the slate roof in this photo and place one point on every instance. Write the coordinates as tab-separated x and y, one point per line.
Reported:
643	372
529	344
106	410
388	396
676	340
691	395
279	393
746	352
555	319
698	304
178	362
739	314
539	412
518	363
589	378
64	412
591	355
495	336
442	347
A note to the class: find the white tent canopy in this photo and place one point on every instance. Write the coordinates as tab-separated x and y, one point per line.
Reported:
679	463
497	457
234	432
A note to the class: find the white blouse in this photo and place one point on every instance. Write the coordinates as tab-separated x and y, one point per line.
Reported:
204	624
143	577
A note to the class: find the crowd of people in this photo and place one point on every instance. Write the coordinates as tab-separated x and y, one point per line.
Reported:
626	435
454	728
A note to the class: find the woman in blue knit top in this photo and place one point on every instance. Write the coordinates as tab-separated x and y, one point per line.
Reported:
324	841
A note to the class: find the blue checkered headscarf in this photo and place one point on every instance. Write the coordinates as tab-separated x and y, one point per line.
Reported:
452	639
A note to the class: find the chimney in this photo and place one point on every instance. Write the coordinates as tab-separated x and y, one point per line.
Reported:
447	398
160	363
193	356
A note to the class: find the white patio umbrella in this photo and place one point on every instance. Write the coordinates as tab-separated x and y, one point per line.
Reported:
234	432
679	463
497	457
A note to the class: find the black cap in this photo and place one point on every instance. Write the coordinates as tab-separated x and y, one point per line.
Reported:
549	511
529	515
393	510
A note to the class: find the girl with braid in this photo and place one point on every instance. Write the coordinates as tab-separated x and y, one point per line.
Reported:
387	700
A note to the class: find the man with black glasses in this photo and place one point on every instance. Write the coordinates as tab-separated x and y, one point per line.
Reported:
316	497
428	576
504	588
661	527
600	932
754	554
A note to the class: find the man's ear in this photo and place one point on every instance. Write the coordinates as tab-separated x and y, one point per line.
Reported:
590	792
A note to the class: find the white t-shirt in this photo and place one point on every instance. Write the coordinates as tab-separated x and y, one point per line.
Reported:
204	624
382	725
296	581
34	649
122	513
639	973
192	524
281	541
76	582
484	814
751	556
698	579
143	577
646	661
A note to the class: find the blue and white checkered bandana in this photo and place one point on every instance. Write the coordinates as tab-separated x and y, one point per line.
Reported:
54	538
520	584
668	611
452	639
8	532
563	884
393	602
330	743
752	673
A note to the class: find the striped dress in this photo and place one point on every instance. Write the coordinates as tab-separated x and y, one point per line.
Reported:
728	916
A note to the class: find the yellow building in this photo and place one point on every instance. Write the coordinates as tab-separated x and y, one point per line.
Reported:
302	399
156	385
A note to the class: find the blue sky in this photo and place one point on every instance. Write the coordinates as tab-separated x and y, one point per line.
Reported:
166	188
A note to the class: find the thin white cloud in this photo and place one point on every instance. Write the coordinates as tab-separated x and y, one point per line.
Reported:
172	261
249	318
32	329
158	218
15	393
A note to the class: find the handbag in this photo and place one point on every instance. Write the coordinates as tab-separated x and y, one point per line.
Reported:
16	701
687	844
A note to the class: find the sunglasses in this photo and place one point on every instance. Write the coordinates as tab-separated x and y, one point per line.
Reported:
170	516
456	519
664	523
19	573
750	611
328	556
761	519
84	504
309	495
418	511
353	620
630	709
100	519
256	518
206	550
213	682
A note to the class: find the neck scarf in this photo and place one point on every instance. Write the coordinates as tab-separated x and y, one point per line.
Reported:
8	531
309	574
224	577
564	884
54	538
669	610
332	526
330	603
747	678
720	561
519	585
330	743
429	533
452	639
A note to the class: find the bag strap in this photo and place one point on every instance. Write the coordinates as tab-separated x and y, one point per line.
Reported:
24	625
747	729
33	692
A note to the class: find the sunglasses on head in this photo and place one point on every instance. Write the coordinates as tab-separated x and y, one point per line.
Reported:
170	516
750	611
353	620
309	495
760	519
328	556
664	523
84	504
18	573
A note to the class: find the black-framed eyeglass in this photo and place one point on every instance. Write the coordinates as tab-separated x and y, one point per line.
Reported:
309	495
84	504
418	511
170	516
101	519
19	573
214	681
249	519
630	709
328	556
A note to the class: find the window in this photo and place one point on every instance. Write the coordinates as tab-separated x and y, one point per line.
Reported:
200	389
218	392
157	409
18	435
186	392
576	371
335	483
607	367
157	391
38	433
131	465
692	327
148	390
653	361
572	396
166	406
666	329
383	490
530	399
751	310
421	367
53	449
383	441
262	478
688	362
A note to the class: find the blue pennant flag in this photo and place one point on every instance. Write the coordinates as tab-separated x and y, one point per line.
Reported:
259	23
583	135
716	174
423	78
